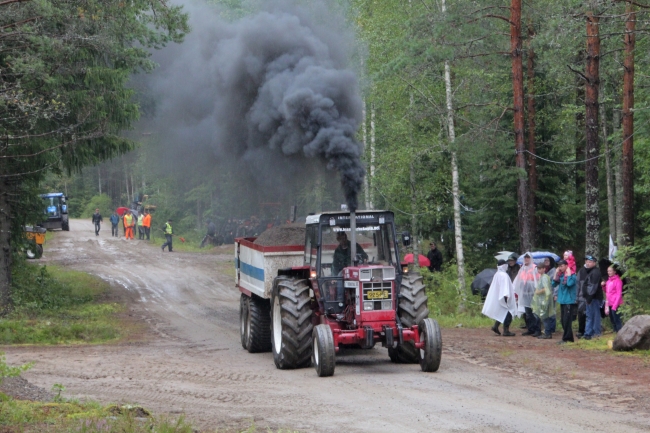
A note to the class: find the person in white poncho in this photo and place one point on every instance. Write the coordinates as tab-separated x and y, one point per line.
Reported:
500	301
525	285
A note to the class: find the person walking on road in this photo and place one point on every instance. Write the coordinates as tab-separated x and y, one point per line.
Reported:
435	258
613	298
589	285
565	281
97	219
169	231
129	223
140	227
500	302
146	223
115	220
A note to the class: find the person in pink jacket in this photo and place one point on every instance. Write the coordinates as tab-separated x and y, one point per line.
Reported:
613	298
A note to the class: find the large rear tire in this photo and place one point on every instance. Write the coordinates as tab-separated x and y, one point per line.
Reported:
291	327
412	310
431	354
324	352
255	324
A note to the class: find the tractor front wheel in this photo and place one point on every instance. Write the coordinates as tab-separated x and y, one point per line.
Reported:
291	327
323	354
431	353
255	324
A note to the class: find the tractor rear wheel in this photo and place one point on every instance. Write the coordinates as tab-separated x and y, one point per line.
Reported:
324	353
291	326
412	310
432	352
255	324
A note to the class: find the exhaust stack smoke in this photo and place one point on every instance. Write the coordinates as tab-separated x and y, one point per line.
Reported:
353	238
275	84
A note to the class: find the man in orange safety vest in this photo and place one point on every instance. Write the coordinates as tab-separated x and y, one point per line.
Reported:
129	224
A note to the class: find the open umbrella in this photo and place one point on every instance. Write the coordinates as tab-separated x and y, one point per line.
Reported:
422	260
503	255
538	257
121	210
482	281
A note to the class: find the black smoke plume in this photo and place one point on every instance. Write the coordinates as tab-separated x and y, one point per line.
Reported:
274	83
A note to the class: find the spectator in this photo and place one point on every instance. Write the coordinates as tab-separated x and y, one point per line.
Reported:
581	302
550	271
513	267
500	302
525	285
115	220
592	292
544	304
565	281
571	261
146	223
141	227
435	258
97	219
613	298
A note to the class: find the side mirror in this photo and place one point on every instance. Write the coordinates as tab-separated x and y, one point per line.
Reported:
406	239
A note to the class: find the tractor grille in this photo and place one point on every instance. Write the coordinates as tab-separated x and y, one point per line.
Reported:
378	295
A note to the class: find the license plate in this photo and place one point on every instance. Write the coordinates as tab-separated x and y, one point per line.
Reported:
377	294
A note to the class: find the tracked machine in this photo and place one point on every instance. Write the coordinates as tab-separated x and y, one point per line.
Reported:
345	286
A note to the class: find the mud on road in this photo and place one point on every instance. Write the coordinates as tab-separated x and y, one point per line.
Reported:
188	359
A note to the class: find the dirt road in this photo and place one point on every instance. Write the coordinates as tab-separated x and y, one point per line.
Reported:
190	361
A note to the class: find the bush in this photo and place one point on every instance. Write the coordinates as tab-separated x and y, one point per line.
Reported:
103	202
444	293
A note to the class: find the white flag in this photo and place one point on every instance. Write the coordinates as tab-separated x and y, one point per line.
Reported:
612	248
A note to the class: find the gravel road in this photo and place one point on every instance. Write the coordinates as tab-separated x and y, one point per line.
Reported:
188	359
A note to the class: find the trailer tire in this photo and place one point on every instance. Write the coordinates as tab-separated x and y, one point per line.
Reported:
412	310
291	327
34	251
255	324
324	352
431	354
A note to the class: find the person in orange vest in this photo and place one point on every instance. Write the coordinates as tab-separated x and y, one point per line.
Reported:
146	223
129	223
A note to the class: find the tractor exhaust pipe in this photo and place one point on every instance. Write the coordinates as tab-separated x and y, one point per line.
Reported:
353	238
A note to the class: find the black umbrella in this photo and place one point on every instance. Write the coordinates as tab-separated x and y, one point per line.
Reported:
482	281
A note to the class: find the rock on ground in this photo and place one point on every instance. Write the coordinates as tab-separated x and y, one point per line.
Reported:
635	334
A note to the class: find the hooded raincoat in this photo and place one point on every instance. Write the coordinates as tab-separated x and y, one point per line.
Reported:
525	285
543	303
500	298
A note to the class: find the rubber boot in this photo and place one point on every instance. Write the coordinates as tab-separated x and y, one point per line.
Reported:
506	331
495	328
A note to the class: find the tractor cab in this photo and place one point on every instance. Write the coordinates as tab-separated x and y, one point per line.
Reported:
55	209
361	289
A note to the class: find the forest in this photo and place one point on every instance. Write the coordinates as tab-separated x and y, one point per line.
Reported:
487	125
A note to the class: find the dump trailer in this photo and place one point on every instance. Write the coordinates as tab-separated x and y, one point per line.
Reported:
343	286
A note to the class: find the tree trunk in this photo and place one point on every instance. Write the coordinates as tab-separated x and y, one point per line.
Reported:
532	162
627	171
5	244
611	206
372	155
525	234
591	135
364	130
455	186
99	177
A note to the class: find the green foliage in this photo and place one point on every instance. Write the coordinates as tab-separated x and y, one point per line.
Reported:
444	295
9	371
53	306
103	202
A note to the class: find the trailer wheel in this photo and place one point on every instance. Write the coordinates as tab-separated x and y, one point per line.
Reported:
255	324
291	326
324	353
412	310
35	251
431	354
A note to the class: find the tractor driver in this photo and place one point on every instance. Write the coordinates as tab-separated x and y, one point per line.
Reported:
342	254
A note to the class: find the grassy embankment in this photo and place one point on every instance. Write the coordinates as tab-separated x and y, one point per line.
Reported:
57	306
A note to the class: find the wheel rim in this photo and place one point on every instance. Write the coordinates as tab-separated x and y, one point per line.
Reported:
422	339
30	254
316	354
277	325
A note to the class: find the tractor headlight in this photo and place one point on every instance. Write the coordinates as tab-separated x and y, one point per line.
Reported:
387	305
368	306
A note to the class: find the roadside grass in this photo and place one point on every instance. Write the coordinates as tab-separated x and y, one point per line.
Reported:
601	345
58	306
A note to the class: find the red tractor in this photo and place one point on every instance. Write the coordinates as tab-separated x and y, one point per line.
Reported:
344	287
